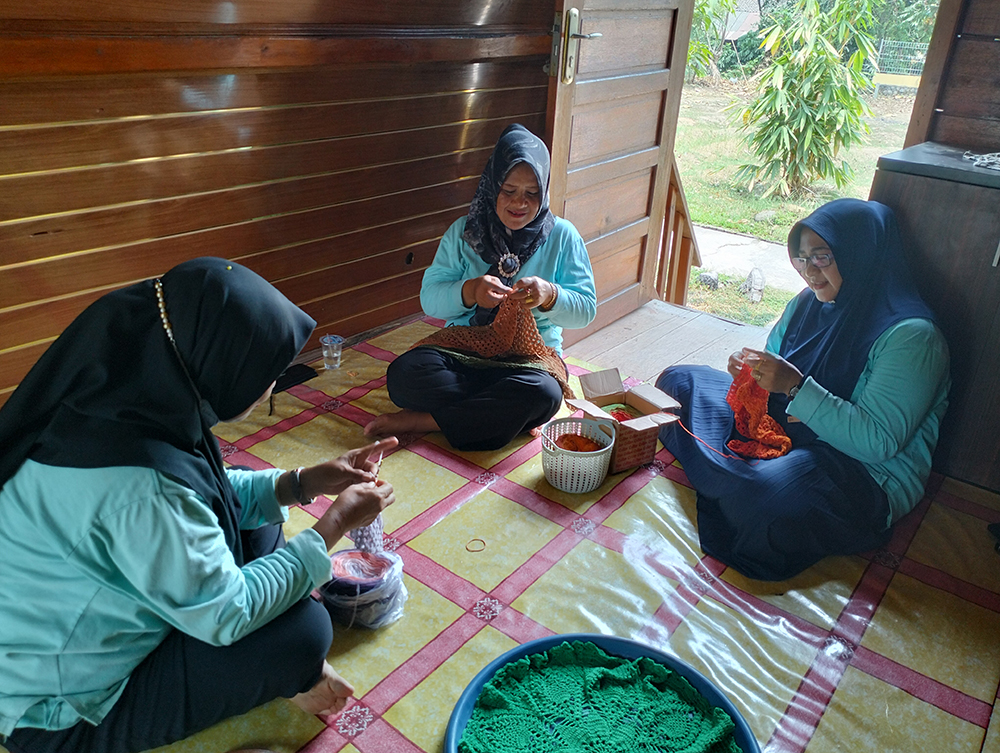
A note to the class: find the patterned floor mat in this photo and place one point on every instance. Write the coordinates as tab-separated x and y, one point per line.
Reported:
896	650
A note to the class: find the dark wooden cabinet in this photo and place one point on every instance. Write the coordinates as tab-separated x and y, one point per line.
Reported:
949	217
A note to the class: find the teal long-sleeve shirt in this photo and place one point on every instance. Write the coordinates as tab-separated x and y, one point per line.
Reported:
892	420
562	260
97	565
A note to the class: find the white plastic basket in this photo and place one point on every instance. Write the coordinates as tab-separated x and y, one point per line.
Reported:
576	472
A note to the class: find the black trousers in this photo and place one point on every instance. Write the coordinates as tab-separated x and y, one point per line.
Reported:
185	685
476	408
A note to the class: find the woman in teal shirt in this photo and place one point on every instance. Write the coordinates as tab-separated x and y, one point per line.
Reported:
145	590
510	246
857	376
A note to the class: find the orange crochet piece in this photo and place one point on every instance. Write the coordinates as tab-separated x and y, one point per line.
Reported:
749	403
512	337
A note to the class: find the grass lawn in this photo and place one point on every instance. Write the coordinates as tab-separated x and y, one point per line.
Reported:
728	302
709	150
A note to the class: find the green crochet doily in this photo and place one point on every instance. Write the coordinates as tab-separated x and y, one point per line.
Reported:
576	698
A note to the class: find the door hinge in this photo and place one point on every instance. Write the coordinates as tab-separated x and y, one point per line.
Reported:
553	66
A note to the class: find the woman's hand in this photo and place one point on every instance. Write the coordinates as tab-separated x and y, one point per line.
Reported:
486	291
356	506
736	361
353	467
772	372
533	291
332	477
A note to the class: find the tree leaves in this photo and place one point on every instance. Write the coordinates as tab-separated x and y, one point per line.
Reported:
809	103
708	32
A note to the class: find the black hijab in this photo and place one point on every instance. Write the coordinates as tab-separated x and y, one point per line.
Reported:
831	341
112	390
505	250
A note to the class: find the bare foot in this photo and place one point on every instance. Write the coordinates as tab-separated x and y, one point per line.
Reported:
536	432
404	422
328	696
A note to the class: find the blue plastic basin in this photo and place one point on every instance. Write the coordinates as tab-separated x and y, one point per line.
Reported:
622	647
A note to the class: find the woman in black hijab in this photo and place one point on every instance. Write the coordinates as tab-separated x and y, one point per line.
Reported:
509	246
134	611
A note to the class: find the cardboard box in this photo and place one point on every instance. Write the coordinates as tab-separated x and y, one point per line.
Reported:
635	439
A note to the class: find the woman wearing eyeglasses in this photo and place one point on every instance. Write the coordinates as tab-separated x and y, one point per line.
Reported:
857	376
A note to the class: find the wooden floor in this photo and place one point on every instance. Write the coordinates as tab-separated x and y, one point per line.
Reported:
659	334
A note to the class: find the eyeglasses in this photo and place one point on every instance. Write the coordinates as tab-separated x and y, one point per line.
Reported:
820	261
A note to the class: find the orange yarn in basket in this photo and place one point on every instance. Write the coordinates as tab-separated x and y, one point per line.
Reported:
511	336
576	443
749	403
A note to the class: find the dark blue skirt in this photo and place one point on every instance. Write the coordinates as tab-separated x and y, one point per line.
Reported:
768	519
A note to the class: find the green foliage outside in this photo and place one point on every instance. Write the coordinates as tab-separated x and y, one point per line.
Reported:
709	150
811	62
729	303
905	20
809	105
709	54
831	94
708	28
740	59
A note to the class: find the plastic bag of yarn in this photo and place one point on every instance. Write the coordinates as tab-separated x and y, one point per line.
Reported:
366	590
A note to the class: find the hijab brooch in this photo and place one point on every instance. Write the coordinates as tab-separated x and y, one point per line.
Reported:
509	264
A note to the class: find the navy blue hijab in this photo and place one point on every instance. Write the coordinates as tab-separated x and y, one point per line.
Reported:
113	391
831	341
503	249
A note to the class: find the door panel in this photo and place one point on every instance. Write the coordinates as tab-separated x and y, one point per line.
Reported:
617	128
619	271
612	134
632	40
610	206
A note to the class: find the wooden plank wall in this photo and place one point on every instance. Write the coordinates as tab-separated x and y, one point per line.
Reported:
325	145
966	100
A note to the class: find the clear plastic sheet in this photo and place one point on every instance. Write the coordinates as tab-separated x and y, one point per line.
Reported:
896	650
368	602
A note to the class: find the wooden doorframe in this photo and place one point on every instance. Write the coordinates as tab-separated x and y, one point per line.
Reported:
668	136
946	27
559	122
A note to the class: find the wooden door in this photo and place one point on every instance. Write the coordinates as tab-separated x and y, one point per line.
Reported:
611	124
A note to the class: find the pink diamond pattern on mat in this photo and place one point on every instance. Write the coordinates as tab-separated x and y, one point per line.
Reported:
332	405
838	648
657	467
355	720
485	479
487	608
583	526
703	583
228	450
886	558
